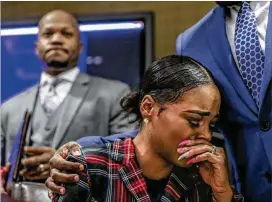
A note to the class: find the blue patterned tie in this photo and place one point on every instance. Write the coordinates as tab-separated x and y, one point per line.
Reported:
248	51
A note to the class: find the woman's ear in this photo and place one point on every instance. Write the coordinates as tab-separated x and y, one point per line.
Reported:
147	107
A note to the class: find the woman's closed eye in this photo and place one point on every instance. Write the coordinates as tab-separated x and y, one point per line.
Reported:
194	123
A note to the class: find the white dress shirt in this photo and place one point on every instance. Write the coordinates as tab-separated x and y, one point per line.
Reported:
62	89
261	10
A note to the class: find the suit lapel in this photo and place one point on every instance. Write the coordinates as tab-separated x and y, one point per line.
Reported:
180	182
130	172
217	38
71	104
268	59
133	179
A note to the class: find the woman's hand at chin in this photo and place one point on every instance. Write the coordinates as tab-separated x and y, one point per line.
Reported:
212	166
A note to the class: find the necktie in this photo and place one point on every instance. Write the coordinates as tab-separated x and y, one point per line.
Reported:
51	99
248	51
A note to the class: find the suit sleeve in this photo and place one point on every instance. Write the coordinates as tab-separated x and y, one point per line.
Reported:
91	141
227	128
236	197
3	135
120	121
179	44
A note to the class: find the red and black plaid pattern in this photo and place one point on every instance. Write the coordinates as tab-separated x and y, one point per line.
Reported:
113	174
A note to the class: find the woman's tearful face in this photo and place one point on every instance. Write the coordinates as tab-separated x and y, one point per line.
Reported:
186	121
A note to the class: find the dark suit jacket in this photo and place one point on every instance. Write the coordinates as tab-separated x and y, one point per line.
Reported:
246	128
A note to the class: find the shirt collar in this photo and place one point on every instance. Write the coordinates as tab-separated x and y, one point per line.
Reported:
69	75
254	5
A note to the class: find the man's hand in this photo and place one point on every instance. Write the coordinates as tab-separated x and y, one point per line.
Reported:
59	166
4	172
38	159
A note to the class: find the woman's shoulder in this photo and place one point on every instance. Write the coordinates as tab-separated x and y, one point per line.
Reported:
108	155
96	155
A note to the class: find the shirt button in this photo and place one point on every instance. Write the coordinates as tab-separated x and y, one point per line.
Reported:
265	125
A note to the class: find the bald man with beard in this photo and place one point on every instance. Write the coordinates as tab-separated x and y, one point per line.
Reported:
69	104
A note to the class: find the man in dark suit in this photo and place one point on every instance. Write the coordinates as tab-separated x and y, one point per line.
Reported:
234	41
69	104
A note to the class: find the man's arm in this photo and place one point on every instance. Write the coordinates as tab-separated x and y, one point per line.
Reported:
3	146
228	128
90	141
59	164
3	136
179	44
5	168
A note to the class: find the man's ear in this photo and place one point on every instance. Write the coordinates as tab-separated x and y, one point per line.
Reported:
148	107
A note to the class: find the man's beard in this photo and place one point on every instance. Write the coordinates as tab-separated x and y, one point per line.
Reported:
57	64
228	3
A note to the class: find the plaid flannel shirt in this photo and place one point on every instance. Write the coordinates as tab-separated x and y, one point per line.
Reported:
112	173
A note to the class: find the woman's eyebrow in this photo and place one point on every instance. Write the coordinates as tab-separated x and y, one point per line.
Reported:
201	113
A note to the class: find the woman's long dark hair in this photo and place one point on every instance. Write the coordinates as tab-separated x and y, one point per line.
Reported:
166	80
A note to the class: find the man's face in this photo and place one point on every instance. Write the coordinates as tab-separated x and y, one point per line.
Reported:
58	42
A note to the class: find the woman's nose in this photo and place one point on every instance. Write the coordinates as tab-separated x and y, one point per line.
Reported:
206	134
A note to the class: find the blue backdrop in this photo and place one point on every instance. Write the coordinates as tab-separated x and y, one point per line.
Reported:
114	54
